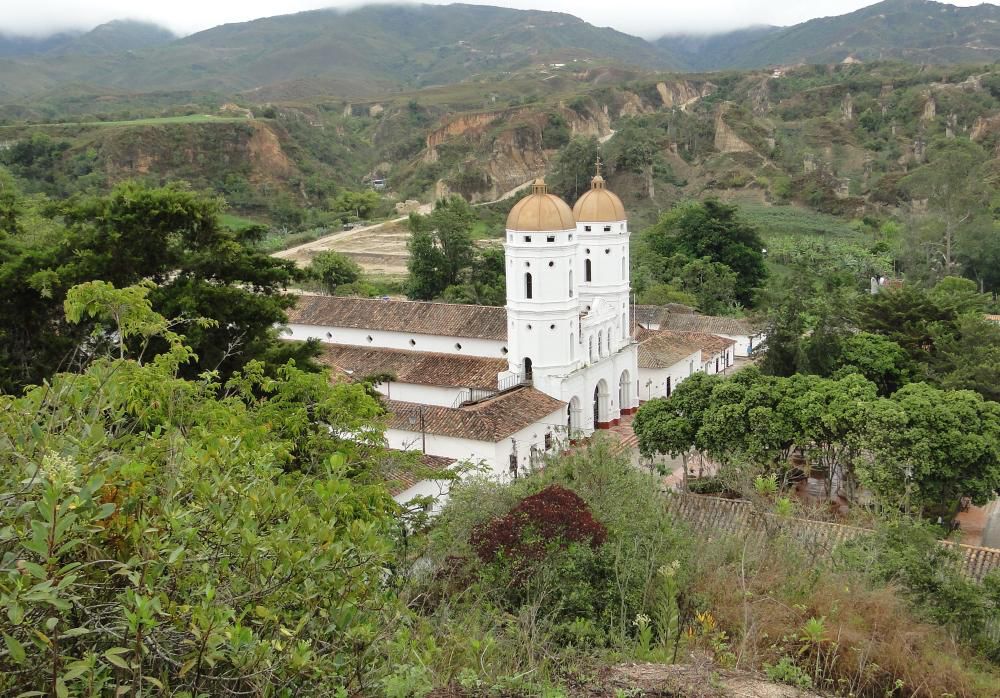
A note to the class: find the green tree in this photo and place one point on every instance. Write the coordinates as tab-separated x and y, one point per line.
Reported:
171	536
930	447
482	283
957	195
440	247
877	358
573	168
832	415
169	236
356	204
671	425
334	269
714	230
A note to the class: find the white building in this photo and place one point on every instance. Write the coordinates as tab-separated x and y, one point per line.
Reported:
666	358
502	385
746	336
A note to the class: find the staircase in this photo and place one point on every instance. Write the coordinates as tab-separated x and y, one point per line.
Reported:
469	396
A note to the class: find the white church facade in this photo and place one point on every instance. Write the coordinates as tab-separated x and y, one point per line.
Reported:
502	386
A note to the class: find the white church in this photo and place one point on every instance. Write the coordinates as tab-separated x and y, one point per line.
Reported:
503	386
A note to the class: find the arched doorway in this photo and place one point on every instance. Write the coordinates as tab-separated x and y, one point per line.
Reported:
573	417
527	369
625	392
600	404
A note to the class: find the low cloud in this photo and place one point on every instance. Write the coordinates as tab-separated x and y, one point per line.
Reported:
647	18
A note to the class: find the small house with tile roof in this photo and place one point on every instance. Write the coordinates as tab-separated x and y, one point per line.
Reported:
745	335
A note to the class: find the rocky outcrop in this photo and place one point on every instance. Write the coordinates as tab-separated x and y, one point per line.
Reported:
726	139
210	151
930	109
681	93
467	123
985	126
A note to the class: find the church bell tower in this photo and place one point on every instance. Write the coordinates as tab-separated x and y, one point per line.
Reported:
542	276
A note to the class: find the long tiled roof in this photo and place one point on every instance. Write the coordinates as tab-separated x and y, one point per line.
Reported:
664	349
712	324
710	344
419	367
447	319
490	420
651	314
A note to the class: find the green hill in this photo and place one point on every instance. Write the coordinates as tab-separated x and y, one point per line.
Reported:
360	52
917	31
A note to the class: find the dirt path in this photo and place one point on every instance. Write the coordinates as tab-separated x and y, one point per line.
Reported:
379	249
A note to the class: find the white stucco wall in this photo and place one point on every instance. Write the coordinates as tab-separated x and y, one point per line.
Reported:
398	340
495	455
426	488
744	343
657	377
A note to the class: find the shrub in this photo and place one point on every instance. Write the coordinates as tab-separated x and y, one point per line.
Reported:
555	517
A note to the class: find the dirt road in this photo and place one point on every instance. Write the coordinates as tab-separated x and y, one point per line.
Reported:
379	249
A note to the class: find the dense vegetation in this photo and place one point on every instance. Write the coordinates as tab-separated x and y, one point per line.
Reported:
189	506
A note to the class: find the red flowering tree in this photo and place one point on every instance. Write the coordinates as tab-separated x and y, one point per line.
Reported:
551	519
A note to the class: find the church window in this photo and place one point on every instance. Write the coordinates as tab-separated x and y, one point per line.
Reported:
600	343
527	264
587	228
370	339
607	229
527	286
458	347
552	264
527	238
529	327
587	270
329	335
570	237
510	238
413	342
588	250
570	283
550	238
552	327
591	347
607	251
503	350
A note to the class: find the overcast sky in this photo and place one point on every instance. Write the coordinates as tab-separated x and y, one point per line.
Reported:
649	18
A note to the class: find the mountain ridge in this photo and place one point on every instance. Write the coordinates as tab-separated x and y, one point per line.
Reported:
378	49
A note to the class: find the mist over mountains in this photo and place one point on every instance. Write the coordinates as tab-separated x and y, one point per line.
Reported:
384	47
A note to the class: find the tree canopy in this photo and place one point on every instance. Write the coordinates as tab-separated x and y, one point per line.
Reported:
167	235
714	232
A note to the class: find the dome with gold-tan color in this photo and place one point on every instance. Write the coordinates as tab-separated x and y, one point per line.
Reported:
598	205
540	211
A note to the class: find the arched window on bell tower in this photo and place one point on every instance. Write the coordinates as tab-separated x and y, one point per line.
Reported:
570	283
527	285
587	270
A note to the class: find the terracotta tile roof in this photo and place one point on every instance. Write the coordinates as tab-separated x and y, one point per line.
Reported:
711	324
401	478
653	314
993	318
492	419
664	349
448	319
419	367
